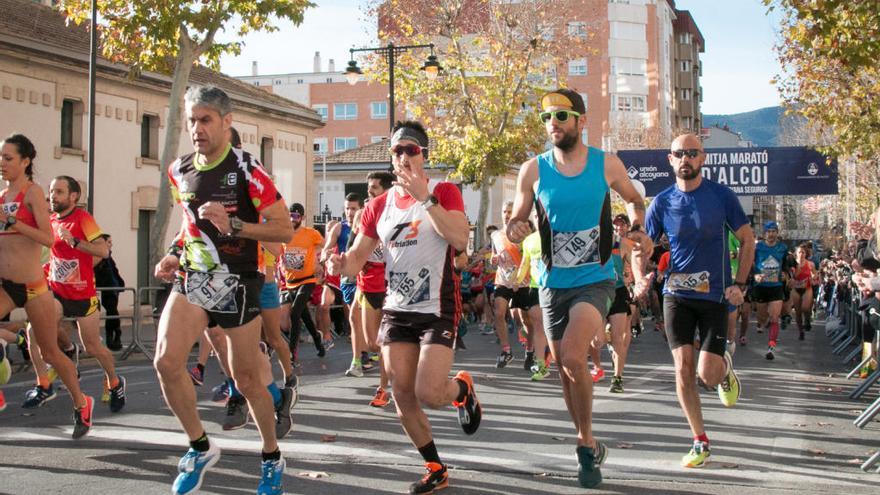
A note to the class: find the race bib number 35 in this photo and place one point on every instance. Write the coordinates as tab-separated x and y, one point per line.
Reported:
406	288
572	249
697	282
213	291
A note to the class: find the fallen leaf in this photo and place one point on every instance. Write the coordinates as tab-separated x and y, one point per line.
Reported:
799	425
854	461
624	445
314	474
820	423
559	439
816	451
328	438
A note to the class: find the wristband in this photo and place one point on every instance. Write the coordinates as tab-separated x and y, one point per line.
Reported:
75	242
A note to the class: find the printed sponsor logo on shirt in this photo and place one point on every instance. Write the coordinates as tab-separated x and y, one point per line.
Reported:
410	238
697	282
408	288
230	179
572	249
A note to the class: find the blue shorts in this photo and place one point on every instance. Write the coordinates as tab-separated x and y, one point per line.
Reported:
348	291
270	298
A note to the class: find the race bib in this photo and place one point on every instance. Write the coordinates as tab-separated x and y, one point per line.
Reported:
770	270
406	288
697	282
213	291
64	271
573	249
294	259
9	209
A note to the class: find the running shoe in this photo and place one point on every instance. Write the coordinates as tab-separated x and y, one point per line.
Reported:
283	418
597	373
589	463
328	344
38	396
770	353
367	364
21	342
697	457
729	389
503	359
785	321
487	330
272	478
73	354
2	401
322	351
220	392
381	399
354	370
192	467
742	341
5	367
374	357
616	385
731	347
117	396
236	413
470	413
529	361
436	478
759	329
82	418
539	372
197	376
292	383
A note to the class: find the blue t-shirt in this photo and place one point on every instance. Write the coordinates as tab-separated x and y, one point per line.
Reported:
342	240
696	224
770	262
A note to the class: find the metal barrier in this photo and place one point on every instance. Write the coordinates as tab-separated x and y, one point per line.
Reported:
137	338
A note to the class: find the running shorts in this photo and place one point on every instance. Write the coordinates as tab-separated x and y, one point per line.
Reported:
556	304
685	316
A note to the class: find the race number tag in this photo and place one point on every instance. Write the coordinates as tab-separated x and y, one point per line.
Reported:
406	288
697	282
9	209
213	291
294	259
573	249
770	270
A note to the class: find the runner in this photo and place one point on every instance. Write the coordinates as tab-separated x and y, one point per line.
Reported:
696	213
802	283
507	256
530	269
420	226
217	280
621	308
770	257
570	186
24	228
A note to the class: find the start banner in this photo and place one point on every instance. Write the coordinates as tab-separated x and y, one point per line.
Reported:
784	171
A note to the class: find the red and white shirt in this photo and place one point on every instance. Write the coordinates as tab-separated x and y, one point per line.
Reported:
418	262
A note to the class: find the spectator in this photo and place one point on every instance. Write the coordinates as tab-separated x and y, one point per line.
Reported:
107	275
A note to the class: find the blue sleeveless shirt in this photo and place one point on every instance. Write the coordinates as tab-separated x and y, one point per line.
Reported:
574	221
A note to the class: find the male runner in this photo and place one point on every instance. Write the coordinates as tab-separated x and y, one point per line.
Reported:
420	226
695	214
770	264
223	192
507	257
570	186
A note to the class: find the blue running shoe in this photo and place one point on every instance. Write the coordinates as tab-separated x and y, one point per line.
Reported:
220	393
272	481
192	467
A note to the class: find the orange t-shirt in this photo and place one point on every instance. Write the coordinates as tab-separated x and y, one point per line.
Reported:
297	260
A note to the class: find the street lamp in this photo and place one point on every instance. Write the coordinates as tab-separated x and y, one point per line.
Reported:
353	73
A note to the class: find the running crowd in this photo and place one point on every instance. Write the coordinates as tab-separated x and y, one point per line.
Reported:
396	275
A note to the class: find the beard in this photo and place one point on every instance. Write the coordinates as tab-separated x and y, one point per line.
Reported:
567	142
688	172
59	207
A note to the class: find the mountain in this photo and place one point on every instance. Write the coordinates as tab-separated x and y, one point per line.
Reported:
759	126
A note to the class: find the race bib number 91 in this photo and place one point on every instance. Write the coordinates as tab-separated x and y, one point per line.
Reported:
213	291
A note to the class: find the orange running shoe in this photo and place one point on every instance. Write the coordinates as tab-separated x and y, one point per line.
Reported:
436	478
381	399
470	413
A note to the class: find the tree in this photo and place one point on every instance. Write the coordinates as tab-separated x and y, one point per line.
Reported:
170	37
498	59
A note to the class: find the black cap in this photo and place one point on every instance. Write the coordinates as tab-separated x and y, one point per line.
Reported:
564	97
297	208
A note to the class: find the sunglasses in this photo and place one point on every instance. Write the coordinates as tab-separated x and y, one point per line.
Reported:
409	149
559	115
692	153
295	216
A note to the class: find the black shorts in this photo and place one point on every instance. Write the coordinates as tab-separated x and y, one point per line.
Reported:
505	293
230	300
684	316
747	295
763	294
78	308
621	303
371	300
786	293
525	298
416	328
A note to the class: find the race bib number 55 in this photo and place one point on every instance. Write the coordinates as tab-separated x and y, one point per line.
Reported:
407	288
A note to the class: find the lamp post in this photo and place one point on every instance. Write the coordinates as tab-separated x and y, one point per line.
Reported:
431	67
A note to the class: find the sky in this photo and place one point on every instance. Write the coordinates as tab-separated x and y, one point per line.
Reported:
738	63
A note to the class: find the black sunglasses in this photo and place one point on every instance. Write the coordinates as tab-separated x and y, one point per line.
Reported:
559	115
692	153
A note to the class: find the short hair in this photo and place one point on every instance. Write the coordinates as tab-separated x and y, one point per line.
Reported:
491	228
385	178
416	126
506	204
353	196
72	185
211	97
234	137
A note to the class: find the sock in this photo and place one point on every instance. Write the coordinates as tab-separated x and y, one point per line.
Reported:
43	381
200	444
233	392
201	368
462	393
429	452
356	362
272	456
702	438
505	348
20	340
774	332
276	393
114	383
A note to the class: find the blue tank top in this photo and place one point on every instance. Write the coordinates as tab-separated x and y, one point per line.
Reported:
574	221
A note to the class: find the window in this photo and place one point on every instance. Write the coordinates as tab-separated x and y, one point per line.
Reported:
376	139
267	146
320	145
685	94
586	101
299	81
627	31
329	79
684	38
344	143
626	66
379	110
630	103
686	122
345	111
150	137
577	67
322	111
71	124
577	29
685	65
